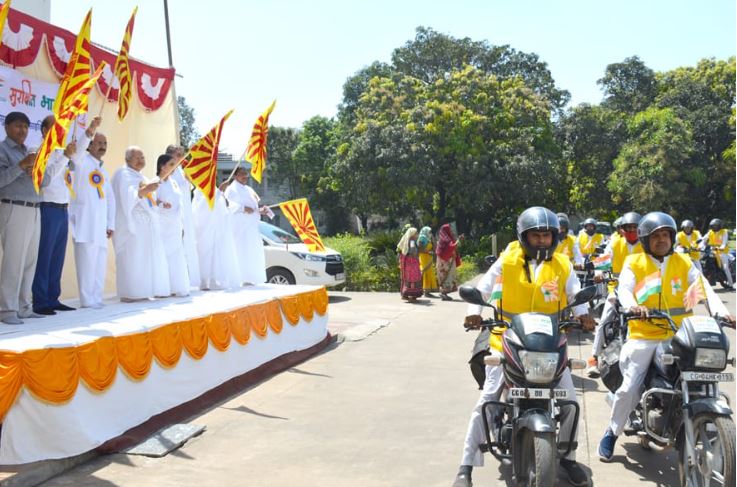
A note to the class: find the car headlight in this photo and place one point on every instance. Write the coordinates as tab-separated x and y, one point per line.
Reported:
310	257
710	358
539	367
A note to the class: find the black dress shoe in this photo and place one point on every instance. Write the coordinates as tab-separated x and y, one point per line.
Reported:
44	311
63	307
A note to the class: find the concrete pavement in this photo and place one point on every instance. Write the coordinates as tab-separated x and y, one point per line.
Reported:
386	405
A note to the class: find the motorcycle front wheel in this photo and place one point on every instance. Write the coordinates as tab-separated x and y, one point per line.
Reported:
539	459
715	452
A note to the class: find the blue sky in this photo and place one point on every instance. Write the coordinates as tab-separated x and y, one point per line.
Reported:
243	54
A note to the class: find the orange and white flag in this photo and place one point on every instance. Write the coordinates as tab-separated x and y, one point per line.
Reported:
299	215
256	150
694	295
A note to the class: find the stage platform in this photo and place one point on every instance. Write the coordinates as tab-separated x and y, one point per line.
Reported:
71	382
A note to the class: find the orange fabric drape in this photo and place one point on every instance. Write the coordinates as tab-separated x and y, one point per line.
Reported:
53	374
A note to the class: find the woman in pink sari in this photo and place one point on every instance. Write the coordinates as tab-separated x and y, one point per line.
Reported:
409	266
448	260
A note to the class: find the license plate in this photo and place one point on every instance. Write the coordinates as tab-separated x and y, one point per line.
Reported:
707	376
340	276
522	393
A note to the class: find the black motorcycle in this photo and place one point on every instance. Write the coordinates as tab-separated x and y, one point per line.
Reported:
682	405
711	269
523	425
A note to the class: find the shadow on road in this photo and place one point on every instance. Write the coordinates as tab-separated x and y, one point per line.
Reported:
244	409
295	370
338	299
660	468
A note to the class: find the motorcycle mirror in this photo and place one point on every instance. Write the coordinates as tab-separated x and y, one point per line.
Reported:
583	296
472	295
490	259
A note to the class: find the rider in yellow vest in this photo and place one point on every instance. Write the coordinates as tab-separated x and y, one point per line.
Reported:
687	242
524	269
654	279
617	250
588	239
567	242
617	234
718	238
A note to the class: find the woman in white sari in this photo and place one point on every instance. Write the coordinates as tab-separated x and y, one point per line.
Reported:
169	202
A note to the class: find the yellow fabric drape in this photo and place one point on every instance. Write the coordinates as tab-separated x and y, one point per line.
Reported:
53	374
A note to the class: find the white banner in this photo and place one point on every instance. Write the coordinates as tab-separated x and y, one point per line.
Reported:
20	93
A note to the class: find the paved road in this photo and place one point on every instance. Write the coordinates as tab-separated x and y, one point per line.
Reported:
387	405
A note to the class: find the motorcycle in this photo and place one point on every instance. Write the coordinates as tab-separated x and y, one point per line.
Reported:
682	406
522	426
710	267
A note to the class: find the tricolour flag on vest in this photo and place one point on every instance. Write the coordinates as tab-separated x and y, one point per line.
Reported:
123	71
603	262
647	287
299	215
496	290
256	150
550	290
200	163
694	295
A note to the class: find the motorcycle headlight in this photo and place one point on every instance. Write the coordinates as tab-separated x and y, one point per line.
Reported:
539	367
711	358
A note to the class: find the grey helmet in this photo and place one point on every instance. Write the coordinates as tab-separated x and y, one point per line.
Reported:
589	221
631	218
687	224
538	218
618	223
563	221
655	221
715	224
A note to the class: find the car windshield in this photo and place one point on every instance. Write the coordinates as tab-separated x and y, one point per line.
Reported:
276	234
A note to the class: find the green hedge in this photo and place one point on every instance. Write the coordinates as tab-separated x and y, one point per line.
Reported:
371	263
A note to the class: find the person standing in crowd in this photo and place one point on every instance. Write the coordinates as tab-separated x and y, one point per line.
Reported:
55	221
448	260
687	242
409	266
20	221
190	239
92	218
246	233
588	239
425	247
169	203
140	259
718	238
219	267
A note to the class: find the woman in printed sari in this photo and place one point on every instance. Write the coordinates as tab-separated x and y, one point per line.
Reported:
448	260
425	246
409	266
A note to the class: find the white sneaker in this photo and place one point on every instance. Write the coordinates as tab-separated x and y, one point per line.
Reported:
12	320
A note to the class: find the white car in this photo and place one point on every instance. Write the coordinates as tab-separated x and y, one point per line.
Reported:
289	262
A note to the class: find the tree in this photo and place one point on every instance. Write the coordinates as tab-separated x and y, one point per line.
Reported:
280	149
629	86
188	134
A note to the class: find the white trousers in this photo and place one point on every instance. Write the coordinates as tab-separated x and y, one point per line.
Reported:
91	264
492	391
634	361
20	231
607	314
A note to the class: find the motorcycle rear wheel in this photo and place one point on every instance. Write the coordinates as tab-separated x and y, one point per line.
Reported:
539	462
715	452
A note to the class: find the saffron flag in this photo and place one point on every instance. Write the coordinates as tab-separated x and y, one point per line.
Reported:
57	134
496	290
123	71
550	290
77	73
647	287
4	16
256	150
299	215
694	295
602	262
200	163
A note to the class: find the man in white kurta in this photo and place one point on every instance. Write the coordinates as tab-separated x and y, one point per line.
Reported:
246	219
219	267
190	239
92	218
140	260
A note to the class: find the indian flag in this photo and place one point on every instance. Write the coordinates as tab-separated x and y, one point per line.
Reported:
647	287
603	262
496	291
550	290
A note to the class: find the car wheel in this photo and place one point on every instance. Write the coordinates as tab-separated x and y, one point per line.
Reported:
279	276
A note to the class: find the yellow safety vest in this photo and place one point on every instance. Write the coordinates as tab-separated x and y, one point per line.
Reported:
565	246
716	240
615	236
621	250
674	283
545	294
587	244
689	241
